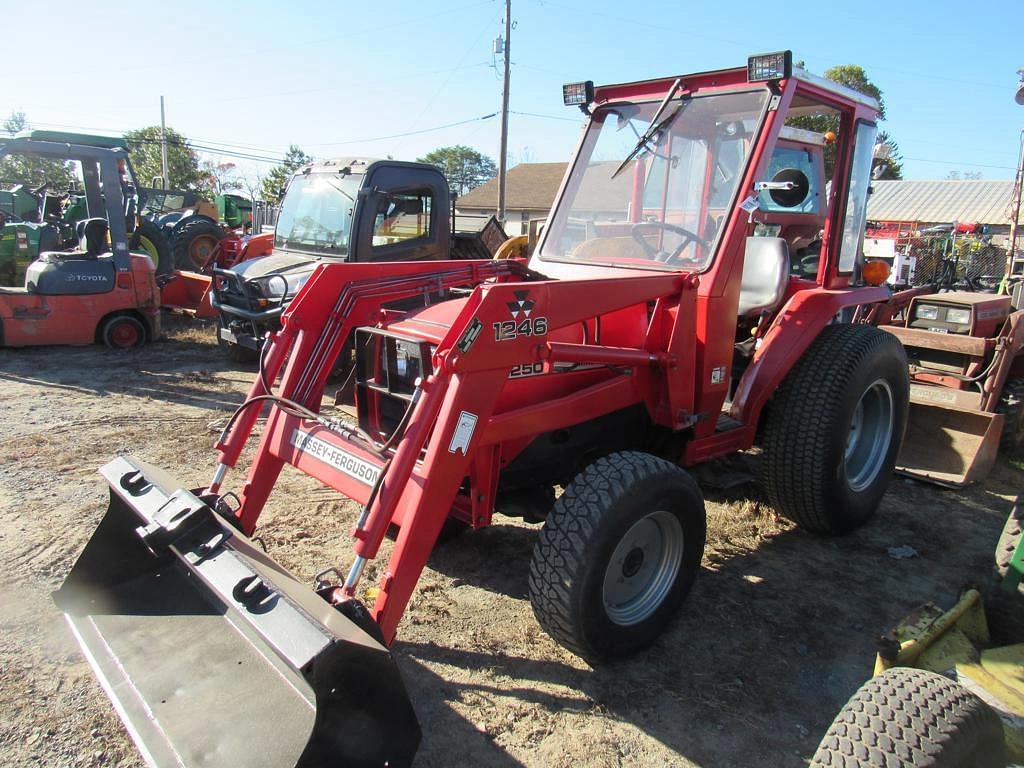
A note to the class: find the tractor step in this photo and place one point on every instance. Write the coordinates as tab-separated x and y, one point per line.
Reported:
213	654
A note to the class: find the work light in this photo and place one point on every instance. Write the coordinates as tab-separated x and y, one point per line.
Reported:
770	66
578	94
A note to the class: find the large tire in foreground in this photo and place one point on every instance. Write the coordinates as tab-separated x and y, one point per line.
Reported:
150	238
1011	405
909	717
194	244
835	428
1005	610
617	555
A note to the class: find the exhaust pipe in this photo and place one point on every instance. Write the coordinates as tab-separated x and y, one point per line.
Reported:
213	654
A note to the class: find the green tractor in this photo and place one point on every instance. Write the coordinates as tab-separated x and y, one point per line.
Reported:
42	219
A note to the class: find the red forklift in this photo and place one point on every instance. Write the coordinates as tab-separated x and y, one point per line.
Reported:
100	291
691	296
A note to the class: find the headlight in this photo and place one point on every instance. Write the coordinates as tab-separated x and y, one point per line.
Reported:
958	316
927	312
276	286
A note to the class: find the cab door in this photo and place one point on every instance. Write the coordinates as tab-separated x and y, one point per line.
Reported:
402	215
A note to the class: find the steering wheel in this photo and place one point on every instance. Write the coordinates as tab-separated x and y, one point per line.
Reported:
656	255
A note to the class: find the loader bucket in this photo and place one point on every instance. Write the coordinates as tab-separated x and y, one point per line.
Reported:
949	445
214	655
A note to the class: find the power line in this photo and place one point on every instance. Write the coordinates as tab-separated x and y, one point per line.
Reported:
406	133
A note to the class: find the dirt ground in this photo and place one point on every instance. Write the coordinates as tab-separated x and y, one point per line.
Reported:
776	635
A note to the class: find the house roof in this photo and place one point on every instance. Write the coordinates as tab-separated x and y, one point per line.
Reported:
529	187
532	186
981	202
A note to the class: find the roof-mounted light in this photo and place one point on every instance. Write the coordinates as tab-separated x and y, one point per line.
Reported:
578	94
770	66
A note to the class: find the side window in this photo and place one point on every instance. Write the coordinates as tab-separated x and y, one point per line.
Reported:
857	200
801	160
402	216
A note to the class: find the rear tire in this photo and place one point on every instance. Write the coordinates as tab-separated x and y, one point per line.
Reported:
910	717
835	429
617	555
1005	610
148	237
123	332
194	243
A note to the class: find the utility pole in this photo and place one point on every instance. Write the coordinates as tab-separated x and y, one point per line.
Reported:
503	151
1018	180
163	145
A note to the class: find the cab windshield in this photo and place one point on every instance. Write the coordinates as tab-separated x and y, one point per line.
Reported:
652	191
317	213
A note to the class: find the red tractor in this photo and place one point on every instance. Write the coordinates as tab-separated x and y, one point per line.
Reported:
690	298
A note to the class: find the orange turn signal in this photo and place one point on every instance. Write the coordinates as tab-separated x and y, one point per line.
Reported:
830	137
875	272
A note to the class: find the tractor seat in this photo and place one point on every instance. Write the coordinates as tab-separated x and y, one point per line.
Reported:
765	275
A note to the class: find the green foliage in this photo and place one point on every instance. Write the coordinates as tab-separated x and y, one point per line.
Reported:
464	166
182	161
32	171
278	176
852	76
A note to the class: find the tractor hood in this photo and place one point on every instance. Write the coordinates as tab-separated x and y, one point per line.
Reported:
429	323
280	273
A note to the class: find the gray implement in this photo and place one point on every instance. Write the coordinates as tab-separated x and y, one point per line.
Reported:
214	655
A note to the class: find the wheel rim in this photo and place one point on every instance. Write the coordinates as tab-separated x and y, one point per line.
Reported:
870	435
200	248
643	568
150	248
124	335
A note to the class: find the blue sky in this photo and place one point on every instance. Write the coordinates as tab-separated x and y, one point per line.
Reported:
332	76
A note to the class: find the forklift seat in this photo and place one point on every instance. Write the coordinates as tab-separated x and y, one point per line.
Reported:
765	275
92	236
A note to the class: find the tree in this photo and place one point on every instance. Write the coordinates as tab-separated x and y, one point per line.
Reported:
32	171
852	76
218	178
464	166
277	177
182	161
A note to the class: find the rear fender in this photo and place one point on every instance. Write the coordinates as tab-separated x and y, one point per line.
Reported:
795	327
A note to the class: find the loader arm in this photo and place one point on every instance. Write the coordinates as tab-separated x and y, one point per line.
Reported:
415	486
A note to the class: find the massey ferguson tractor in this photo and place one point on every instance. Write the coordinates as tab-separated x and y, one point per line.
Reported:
668	316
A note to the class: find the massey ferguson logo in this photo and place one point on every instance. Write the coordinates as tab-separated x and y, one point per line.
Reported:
521	324
522	306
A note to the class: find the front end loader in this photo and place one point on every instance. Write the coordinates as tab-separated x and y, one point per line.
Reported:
966	381
669	315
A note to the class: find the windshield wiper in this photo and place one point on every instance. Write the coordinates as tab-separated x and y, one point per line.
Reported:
335	186
654	128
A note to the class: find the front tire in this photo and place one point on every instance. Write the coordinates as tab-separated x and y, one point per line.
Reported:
835	429
194	244
617	555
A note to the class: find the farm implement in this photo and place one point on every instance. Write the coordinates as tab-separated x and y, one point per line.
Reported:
669	315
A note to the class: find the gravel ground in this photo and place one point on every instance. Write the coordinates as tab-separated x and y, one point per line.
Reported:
774	638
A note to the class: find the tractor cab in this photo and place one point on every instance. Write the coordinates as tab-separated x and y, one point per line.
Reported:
87	287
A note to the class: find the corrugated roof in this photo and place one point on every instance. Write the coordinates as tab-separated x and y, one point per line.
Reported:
529	187
532	186
981	202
